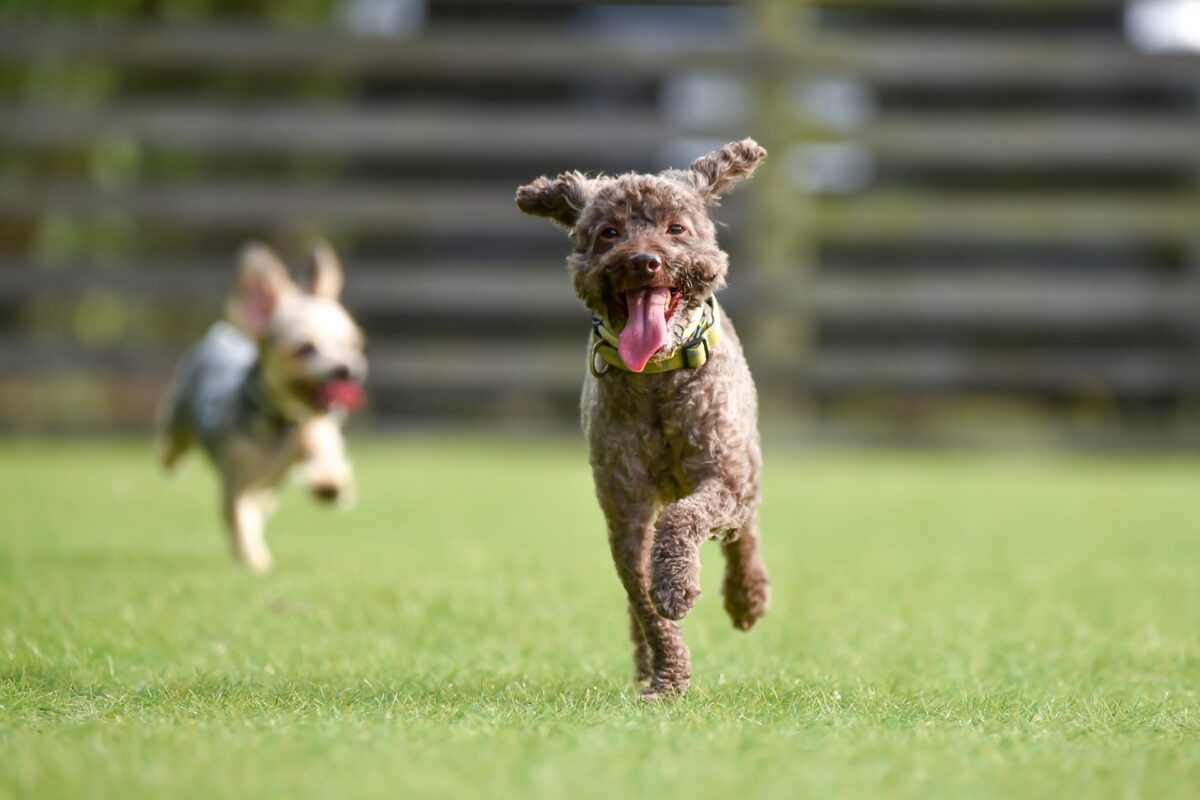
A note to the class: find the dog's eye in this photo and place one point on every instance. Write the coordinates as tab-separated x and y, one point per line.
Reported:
675	229
305	350
609	233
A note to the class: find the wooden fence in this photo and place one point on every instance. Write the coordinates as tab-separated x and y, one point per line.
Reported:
990	205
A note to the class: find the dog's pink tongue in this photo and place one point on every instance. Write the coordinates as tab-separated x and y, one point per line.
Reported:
646	329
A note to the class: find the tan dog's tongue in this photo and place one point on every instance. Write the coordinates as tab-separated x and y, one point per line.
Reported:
646	329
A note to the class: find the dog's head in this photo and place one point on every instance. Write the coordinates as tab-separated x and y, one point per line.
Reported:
646	255
310	349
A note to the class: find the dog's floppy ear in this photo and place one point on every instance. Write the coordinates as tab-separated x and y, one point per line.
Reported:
263	283
561	199
324	276
717	172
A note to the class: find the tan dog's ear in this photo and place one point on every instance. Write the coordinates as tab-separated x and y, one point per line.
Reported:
324	278
263	284
561	199
715	173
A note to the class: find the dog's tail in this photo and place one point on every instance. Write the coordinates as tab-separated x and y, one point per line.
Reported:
171	449
174	434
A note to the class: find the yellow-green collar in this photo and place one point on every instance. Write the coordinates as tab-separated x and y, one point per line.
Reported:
702	337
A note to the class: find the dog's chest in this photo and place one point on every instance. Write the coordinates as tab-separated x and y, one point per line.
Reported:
653	423
257	452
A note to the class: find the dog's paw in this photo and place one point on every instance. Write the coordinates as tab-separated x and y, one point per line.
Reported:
660	690
326	492
343	495
674	597
674	581
747	596
258	562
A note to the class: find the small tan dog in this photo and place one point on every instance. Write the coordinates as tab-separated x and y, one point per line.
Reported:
270	392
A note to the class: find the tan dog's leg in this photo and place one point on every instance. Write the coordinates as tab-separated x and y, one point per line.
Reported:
325	469
746	586
246	516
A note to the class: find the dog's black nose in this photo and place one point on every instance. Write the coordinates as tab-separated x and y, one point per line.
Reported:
339	373
646	263
326	493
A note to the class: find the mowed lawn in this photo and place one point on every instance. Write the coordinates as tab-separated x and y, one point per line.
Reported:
944	625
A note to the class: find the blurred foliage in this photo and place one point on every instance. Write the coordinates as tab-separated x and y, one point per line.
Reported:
43	404
69	84
115	160
99	318
59	239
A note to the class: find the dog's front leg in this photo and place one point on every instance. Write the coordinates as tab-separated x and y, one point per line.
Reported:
643	657
245	515
326	469
713	509
660	653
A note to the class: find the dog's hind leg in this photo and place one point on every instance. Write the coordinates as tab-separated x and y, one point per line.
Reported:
643	661
246	516
746	586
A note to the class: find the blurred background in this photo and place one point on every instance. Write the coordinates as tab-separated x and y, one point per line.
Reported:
980	221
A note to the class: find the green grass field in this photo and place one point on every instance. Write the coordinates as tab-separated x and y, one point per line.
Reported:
944	625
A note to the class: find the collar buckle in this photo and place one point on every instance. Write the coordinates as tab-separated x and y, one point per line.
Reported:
696	352
596	363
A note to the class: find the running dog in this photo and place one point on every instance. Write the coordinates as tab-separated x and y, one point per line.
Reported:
669	408
269	391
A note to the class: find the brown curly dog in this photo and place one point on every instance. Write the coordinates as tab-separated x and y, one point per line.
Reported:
669	408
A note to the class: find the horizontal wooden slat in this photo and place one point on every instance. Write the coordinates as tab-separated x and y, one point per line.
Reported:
1035	302
340	130
245	205
1131	371
537	288
584	3
1050	139
967	140
24	356
394	366
1020	6
497	53
960	58
542	290
488	365
479	53
479	210
559	367
1009	216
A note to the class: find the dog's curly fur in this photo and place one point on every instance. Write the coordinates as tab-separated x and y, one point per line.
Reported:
675	455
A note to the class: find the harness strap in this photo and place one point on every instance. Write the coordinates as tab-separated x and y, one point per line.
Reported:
256	395
693	354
